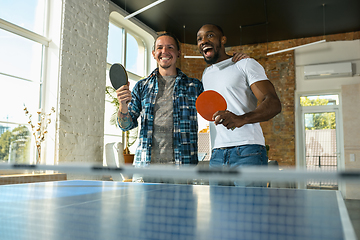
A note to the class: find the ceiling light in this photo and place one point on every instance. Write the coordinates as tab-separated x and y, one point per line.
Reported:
193	56
185	53
144	9
289	49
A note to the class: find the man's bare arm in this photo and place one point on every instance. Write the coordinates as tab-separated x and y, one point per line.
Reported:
124	96
268	107
124	119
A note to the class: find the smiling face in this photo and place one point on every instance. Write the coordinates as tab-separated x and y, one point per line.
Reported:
210	42
166	53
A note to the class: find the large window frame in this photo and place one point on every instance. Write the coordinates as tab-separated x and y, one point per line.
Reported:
50	39
142	52
24	33
144	37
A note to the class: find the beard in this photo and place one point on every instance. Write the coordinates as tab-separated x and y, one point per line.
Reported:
215	57
165	66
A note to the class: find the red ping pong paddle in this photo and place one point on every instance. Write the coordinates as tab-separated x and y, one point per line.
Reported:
118	75
209	102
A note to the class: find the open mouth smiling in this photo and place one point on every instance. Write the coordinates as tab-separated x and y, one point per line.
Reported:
165	58
207	50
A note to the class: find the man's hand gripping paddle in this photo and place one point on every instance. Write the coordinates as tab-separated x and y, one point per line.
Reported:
209	102
118	76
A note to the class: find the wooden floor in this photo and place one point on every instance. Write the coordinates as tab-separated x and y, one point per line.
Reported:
353	207
11	177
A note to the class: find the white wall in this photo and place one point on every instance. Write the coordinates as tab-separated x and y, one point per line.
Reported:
332	52
77	76
82	80
351	128
328	52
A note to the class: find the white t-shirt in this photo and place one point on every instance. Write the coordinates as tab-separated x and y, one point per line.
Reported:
233	81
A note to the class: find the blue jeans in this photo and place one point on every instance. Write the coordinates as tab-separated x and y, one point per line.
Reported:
237	157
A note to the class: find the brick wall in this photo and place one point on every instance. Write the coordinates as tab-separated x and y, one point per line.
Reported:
279	132
82	80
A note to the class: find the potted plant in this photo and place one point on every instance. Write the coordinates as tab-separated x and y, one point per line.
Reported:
130	138
39	129
131	135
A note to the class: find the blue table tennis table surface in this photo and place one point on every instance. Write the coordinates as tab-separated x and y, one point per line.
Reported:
89	210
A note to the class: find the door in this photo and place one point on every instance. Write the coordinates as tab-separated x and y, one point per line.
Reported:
320	121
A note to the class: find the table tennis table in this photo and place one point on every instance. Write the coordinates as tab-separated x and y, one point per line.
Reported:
81	209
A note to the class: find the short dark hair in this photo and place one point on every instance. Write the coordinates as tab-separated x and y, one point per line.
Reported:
170	35
217	26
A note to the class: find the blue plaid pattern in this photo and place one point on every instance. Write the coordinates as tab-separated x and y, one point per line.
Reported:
186	91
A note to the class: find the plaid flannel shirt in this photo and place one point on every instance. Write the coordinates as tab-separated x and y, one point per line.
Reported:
186	91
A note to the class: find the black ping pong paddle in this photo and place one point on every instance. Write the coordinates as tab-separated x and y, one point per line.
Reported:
118	75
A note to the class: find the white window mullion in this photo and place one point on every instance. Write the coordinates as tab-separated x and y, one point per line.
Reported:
23	32
25	79
123	57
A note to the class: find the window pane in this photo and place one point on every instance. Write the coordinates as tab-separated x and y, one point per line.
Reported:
134	56
320	145
29	14
20	57
14	93
115	43
111	109
319	100
112	133
15	143
110	117
320	120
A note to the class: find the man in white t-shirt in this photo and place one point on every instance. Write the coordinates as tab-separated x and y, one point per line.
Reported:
251	98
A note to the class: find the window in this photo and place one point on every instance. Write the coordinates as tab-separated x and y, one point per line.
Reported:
115	44
127	49
22	24
126	45
319	100
28	14
135	55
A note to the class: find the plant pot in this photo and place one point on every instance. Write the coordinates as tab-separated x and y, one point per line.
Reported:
128	158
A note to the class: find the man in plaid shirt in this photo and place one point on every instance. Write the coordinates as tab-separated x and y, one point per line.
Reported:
165	101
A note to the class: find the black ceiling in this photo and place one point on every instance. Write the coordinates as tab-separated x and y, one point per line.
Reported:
260	20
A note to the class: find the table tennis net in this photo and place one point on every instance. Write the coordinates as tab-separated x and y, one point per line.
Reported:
162	202
271	176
